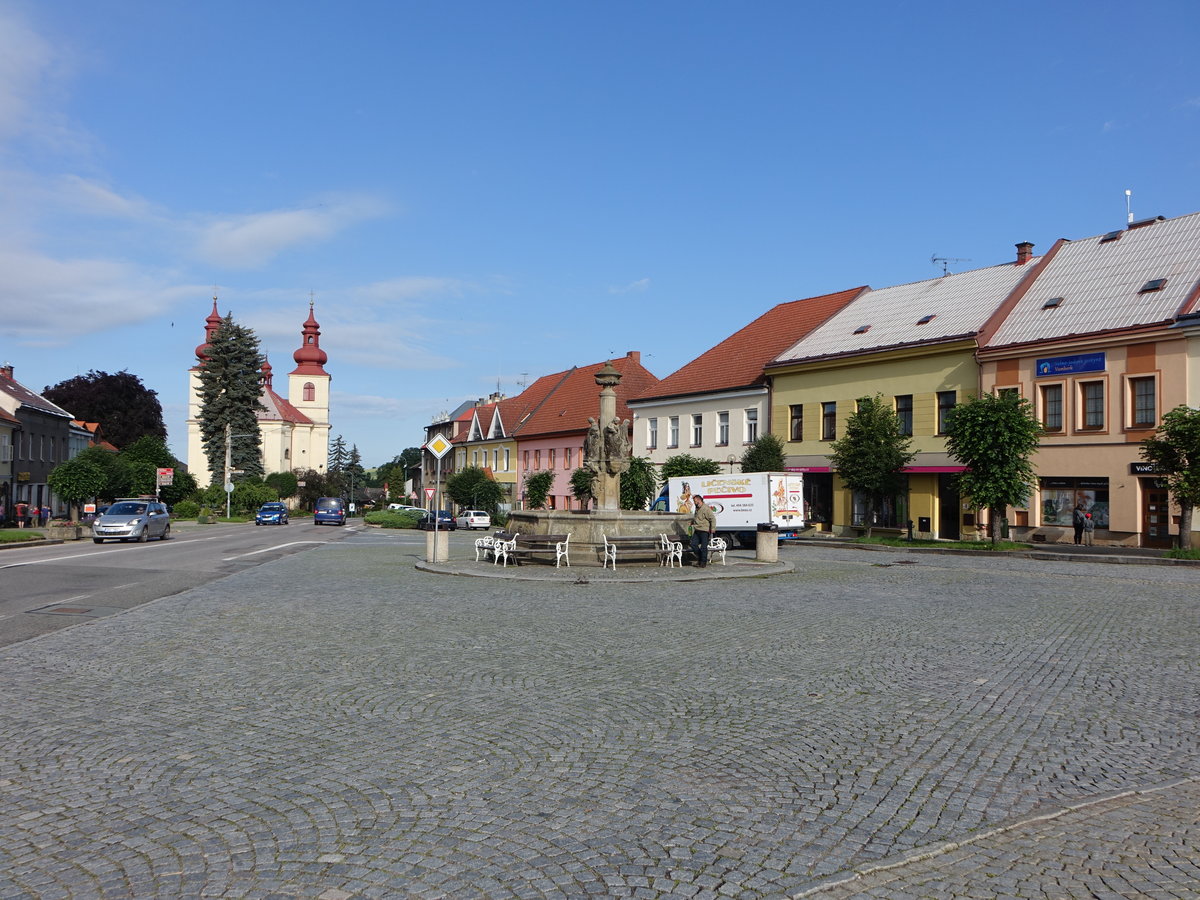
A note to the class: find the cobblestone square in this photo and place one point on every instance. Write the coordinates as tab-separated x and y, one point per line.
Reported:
338	725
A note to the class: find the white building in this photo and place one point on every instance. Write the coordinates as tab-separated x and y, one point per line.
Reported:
294	432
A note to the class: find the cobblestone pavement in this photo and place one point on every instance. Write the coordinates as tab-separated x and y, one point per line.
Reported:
337	724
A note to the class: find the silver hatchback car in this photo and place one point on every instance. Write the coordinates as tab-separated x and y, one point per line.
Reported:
132	520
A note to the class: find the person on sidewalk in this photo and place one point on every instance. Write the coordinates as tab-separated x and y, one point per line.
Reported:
20	511
1077	519
1089	527
704	523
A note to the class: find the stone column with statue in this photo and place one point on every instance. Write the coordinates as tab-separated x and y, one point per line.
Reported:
606	449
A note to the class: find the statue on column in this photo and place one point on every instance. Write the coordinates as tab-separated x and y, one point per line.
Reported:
593	447
616	446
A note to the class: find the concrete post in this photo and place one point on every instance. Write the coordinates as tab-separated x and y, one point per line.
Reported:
437	546
766	546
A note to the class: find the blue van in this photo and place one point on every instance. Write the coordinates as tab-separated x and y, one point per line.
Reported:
329	511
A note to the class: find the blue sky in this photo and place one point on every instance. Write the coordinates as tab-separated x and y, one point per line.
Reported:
478	193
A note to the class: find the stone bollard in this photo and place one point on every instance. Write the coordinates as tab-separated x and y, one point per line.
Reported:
766	546
437	546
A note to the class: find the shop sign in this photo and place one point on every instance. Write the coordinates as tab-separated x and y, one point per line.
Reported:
1070	365
1144	468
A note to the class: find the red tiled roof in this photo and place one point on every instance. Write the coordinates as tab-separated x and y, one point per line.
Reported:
577	396
738	360
516	410
275	408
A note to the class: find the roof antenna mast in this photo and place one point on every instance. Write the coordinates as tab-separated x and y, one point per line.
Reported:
945	261
1128	208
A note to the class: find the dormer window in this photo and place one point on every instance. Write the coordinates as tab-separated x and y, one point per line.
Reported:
862	329
1155	284
925	320
1053	303
1111	236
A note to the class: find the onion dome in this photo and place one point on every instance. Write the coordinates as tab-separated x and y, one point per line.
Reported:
266	373
310	358
212	323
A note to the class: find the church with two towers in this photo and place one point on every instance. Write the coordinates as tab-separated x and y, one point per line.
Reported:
293	432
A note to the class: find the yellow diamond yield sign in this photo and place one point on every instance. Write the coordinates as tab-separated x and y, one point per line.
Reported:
439	446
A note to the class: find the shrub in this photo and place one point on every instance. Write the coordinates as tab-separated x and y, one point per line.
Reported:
390	518
186	509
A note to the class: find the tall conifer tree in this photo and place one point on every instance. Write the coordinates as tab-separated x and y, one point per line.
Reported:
230	394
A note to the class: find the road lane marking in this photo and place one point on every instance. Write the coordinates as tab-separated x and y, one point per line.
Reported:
269	549
91	551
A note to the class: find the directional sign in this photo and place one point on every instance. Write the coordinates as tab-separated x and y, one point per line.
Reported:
166	476
439	446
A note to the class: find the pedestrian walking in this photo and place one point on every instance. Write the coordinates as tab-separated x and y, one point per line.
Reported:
43	516
1089	527
704	523
1077	519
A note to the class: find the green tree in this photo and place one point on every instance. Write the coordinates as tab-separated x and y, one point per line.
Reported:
537	488
639	484
765	454
339	455
286	484
994	436
395	473
683	464
125	408
1175	451
81	479
230	392
583	487
354	475
135	472
316	485
472	488
870	456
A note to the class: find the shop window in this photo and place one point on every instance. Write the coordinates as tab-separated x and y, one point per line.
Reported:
1091	395
723	429
751	426
1059	496
1052	407
796	416
1144	409
946	401
828	421
883	512
904	412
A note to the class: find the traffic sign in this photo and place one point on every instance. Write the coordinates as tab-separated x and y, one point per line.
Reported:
439	447
429	492
166	477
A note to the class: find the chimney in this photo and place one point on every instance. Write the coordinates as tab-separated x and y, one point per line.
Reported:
7	370
635	355
1024	252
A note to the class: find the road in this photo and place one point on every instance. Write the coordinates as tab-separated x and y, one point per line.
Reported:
48	587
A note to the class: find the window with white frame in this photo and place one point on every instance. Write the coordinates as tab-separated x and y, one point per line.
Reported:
652	434
507	460
751	425
1143	408
723	429
673	432
697	429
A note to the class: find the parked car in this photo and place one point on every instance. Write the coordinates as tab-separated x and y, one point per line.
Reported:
445	521
133	519
271	514
329	511
473	518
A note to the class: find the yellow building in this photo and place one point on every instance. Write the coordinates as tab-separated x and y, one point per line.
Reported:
914	344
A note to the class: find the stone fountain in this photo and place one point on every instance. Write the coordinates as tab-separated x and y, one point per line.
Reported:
606	454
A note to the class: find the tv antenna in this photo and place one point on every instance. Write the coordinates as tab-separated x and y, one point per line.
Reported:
1129	207
945	261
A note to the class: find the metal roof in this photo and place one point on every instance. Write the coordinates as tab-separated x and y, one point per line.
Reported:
960	305
1100	282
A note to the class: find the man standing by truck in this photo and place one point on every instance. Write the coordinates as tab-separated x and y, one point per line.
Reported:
704	523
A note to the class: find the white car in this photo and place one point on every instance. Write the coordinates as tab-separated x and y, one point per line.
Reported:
473	518
400	507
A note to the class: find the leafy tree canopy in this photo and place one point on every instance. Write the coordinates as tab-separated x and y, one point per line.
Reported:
286	484
995	437
537	488
125	408
682	464
765	454
870	456
81	478
639	484
230	392
1175	451
471	488
583	486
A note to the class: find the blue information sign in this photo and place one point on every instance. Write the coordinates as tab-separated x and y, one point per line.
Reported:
1070	365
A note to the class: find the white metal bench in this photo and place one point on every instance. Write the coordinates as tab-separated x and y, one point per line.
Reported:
672	553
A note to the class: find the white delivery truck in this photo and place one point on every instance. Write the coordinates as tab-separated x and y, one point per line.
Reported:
743	501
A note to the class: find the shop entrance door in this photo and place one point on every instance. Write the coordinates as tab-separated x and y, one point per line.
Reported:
948	500
1156	514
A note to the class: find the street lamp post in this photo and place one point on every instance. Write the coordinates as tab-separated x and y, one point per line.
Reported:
229	470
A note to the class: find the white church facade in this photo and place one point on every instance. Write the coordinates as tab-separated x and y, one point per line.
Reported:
294	431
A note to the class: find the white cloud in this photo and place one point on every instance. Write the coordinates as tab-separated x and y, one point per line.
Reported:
633	287
253	240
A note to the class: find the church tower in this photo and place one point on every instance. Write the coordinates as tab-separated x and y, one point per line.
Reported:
308	392
197	462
